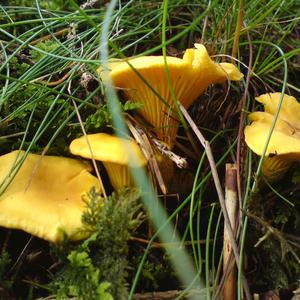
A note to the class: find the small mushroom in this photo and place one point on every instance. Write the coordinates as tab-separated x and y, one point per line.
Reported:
284	146
44	197
114	153
190	77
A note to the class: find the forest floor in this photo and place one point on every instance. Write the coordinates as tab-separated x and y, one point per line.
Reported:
165	239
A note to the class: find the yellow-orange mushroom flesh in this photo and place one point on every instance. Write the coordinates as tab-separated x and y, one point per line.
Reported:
189	77
44	198
116	154
284	145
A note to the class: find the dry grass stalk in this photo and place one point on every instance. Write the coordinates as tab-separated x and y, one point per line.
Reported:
231	201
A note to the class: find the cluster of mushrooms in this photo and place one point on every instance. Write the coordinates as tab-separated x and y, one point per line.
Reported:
43	195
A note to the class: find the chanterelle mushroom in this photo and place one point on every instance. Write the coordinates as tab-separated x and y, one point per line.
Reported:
284	145
44	198
190	77
113	152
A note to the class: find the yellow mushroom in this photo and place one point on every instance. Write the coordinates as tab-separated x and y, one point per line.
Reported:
284	146
44	198
190	77
114	153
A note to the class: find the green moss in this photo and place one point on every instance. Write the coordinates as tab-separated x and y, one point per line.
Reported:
103	117
47	46
5	260
99	264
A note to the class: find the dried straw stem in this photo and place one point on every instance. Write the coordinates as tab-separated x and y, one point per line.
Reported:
231	201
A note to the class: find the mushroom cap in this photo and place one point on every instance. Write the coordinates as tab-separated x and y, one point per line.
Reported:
289	111
108	148
190	76
285	139
44	198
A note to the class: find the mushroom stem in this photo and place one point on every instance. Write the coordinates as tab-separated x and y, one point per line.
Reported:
118	174
274	168
117	155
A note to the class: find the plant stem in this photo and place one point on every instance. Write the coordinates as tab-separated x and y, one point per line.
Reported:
231	201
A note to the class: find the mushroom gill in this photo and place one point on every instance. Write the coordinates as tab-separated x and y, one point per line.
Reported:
144	79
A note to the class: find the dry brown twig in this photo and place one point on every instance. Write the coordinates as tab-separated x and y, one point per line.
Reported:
178	160
142	140
149	146
89	4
